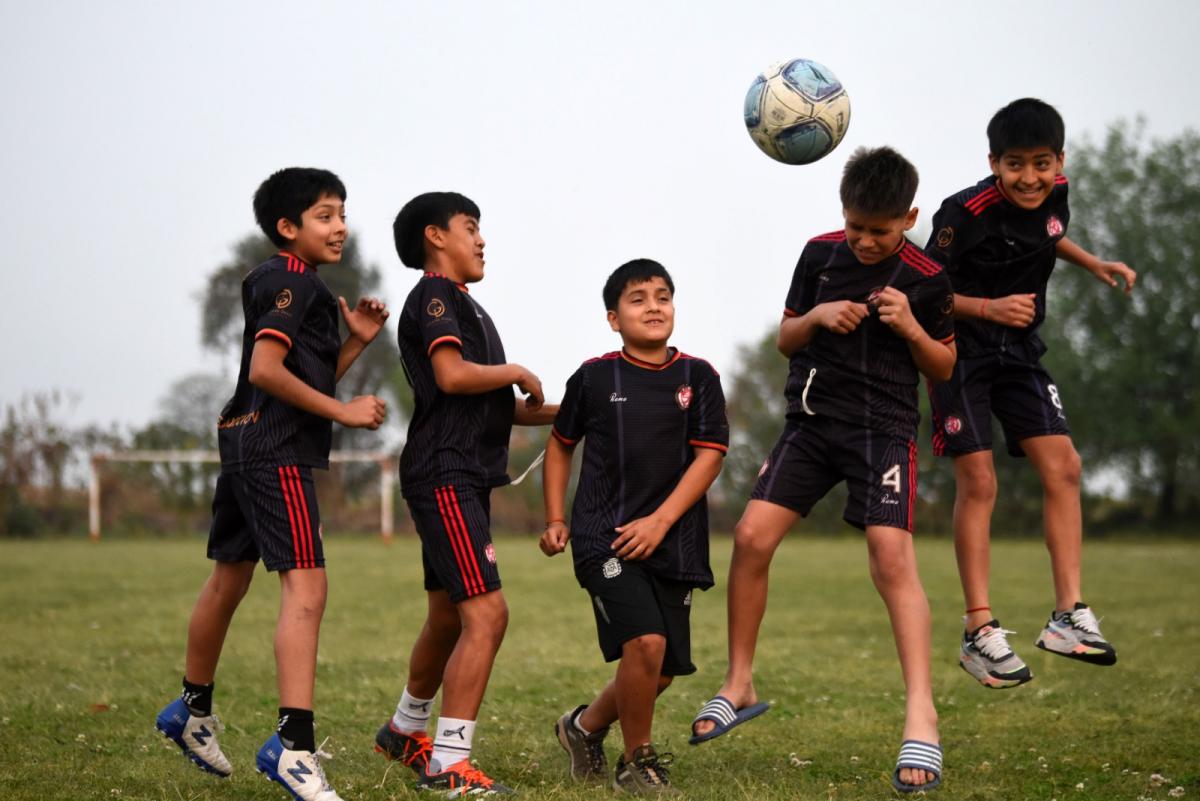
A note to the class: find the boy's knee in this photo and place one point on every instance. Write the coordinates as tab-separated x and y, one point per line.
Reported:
978	482
487	612
664	682
645	647
889	563
750	539
1065	471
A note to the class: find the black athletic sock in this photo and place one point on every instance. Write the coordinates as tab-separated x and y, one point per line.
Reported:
296	729
198	698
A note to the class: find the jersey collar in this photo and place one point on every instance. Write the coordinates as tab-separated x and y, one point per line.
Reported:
463	287
636	362
287	254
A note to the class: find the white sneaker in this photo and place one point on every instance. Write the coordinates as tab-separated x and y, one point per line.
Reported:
986	655
1076	634
300	772
197	736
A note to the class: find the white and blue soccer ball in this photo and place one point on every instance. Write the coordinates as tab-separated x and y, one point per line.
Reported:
797	111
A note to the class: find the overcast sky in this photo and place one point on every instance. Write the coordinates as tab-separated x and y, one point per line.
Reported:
134	134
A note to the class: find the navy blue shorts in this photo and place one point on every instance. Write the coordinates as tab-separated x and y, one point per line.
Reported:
1022	396
814	454
267	513
454	523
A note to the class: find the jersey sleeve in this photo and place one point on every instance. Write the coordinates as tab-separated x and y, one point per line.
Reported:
437	313
570	421
955	231
934	308
801	292
708	426
281	299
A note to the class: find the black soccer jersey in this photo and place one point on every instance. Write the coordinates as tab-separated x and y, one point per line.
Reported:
452	439
993	248
282	298
641	422
866	377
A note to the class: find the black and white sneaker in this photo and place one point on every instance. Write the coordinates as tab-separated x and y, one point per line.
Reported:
645	774
1076	634
586	750
986	655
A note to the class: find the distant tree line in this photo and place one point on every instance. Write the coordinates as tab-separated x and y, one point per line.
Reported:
1126	369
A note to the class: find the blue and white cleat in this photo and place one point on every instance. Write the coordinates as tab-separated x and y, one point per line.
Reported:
300	772
197	736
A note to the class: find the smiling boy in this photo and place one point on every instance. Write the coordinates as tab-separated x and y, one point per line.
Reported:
653	424
1000	240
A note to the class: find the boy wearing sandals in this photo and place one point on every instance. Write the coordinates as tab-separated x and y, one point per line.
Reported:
866	315
654	423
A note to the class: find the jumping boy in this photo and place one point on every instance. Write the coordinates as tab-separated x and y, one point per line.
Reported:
272	433
866	314
999	240
655	430
456	453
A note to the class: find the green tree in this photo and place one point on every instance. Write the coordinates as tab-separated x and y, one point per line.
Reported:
1127	366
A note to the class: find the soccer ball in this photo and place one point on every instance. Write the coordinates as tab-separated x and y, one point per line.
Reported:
797	111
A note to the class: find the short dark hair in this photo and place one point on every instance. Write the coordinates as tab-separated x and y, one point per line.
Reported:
1026	123
288	193
431	208
637	271
878	182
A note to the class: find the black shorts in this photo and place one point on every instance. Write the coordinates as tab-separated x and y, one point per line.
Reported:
1022	395
814	454
629	601
454	524
267	513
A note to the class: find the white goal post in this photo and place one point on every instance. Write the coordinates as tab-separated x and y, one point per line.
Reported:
386	462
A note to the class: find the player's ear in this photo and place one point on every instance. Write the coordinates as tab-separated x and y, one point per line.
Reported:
435	236
287	229
1062	158
612	320
994	163
910	219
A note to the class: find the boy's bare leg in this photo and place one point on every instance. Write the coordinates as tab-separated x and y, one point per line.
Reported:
434	645
757	535
211	616
636	688
484	619
603	711
974	500
1058	466
301	606
893	562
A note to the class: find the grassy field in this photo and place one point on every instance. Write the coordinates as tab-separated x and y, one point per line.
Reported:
91	645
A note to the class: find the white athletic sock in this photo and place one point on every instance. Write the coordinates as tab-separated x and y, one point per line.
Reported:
578	725
412	714
452	743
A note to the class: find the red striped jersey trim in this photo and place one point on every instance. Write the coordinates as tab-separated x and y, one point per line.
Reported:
463	287
606	357
789	313
295	264
980	209
651	365
913	257
683	355
832	236
564	440
271	332
984	196
716	446
1060	179
457	537
446	340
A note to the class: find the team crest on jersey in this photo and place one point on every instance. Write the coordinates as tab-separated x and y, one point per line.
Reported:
1054	226
436	308
612	568
490	553
683	396
283	299
953	425
945	237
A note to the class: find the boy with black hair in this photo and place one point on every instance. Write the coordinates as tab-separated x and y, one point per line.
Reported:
999	240
456	453
654	423
272	433
866	315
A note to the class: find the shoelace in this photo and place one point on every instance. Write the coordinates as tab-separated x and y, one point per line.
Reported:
994	643
319	771
470	774
595	748
424	749
656	768
1085	620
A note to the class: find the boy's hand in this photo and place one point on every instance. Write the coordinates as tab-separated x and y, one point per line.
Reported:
895	313
531	385
365	411
1109	271
841	316
366	319
554	538
1015	311
639	538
